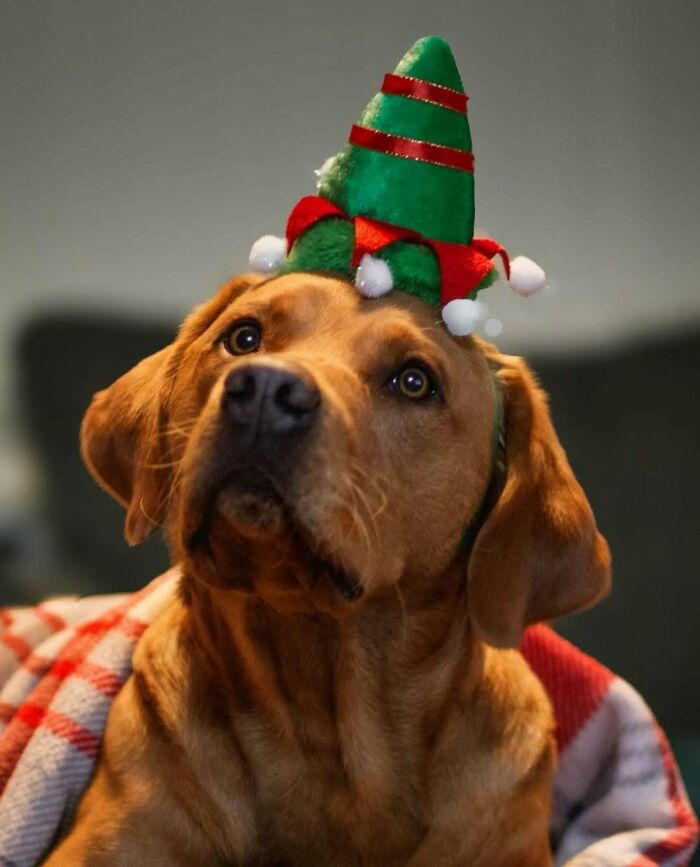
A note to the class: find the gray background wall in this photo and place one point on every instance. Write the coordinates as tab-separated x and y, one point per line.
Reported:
145	145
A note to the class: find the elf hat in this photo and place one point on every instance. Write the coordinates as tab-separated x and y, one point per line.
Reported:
396	207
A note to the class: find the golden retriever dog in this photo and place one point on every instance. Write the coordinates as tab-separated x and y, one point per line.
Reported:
337	682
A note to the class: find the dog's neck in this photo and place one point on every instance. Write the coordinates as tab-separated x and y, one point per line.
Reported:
326	680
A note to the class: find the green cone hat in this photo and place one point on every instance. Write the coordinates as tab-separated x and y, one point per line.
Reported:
434	200
396	207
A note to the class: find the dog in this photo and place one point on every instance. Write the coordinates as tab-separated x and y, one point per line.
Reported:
338	681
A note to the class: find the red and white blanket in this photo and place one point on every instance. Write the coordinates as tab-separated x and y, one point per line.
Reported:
618	797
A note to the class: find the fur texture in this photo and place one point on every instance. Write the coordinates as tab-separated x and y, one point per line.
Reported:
273	718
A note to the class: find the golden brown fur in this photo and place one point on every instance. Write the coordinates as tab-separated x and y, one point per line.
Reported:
272	719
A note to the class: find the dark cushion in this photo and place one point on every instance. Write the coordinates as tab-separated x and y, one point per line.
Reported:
63	359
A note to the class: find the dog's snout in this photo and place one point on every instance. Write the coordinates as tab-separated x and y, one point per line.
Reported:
269	401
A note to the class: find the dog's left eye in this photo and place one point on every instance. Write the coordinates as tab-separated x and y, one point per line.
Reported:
243	338
413	382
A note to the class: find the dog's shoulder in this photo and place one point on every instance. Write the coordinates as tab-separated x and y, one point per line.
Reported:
515	718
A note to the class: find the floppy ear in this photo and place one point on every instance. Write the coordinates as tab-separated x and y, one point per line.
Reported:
123	436
122	444
539	554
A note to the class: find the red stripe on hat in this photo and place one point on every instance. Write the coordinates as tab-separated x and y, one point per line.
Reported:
411	149
425	91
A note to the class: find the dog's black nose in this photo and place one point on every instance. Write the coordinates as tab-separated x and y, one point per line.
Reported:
268	402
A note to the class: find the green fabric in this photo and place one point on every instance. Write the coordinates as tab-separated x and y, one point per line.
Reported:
328	246
436	201
431	59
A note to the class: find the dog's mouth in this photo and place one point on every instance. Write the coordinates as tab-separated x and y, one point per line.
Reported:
254	505
245	497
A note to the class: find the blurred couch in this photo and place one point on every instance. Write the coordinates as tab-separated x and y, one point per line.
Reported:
628	419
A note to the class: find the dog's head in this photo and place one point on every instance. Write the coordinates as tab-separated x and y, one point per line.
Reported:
304	444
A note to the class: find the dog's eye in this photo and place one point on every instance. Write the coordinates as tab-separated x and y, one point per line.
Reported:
243	338
413	382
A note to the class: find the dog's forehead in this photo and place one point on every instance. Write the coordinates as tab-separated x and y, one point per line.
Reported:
314	305
303	299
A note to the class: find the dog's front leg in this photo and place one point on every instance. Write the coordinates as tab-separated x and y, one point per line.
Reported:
495	830
142	806
117	829
501	850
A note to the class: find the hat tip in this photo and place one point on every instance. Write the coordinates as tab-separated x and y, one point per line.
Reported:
431	59
432	42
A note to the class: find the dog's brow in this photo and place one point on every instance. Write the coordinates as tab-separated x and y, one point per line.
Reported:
258	286
407	338
290	308
403	341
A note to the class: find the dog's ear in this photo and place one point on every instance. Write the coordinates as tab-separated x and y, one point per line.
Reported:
539	554
123	437
122	444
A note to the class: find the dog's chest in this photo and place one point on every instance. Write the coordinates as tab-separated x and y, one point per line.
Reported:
330	800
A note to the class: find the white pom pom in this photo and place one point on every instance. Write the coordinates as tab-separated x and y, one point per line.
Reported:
461	316
373	277
267	253
323	171
526	276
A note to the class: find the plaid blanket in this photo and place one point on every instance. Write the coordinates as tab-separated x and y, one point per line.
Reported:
618	796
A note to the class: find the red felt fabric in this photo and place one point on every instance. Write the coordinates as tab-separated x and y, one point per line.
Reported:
462	266
425	91
411	149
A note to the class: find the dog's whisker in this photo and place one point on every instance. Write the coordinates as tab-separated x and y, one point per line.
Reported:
358	495
379	488
372	523
372	513
146	515
182	428
404	616
357	519
164	465
369	523
169	489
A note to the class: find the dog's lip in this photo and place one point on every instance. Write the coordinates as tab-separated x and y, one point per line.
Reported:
348	584
345	580
257	478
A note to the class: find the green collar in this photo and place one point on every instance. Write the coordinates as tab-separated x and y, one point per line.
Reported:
498	470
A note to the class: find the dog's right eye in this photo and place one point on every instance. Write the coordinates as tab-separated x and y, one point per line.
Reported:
243	338
414	382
